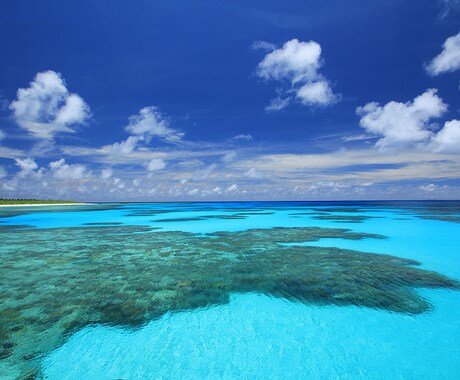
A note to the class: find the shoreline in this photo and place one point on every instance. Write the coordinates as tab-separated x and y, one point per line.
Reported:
45	204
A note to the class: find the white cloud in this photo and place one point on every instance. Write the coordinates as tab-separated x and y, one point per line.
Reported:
263	45
73	111
357	138
155	164
428	187
46	107
61	170
27	166
402	124
119	183
345	165
229	156
151	123
106	173
2	172
193	192
11	152
42	148
253	173
194	163
2	135
319	93
447	140
448	59
313	176
127	146
143	127
298	63
242	137
232	188
277	104
295	61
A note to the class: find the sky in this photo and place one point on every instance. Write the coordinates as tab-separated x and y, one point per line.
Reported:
230	100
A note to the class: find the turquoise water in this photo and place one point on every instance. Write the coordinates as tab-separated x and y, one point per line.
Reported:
216	290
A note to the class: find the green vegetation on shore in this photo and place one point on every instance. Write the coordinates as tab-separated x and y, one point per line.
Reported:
13	202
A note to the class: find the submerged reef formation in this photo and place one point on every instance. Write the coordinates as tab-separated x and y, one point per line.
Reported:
444	218
442	211
344	218
55	281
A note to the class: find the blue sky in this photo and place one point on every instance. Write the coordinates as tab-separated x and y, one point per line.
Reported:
216	100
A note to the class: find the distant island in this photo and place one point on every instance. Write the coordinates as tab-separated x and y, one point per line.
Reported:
34	202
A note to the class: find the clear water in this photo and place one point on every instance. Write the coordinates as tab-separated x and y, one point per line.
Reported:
155	291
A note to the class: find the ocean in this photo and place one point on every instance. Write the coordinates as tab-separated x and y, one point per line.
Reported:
232	290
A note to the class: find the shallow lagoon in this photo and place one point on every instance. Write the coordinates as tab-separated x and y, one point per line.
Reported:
217	290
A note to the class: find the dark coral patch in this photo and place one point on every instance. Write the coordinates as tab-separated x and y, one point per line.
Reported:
344	218
102	224
172	220
444	218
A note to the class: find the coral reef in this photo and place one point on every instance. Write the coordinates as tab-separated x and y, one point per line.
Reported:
55	281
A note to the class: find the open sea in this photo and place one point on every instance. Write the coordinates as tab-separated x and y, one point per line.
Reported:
250	290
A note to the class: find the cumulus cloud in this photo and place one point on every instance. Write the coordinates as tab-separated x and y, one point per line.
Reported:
47	108
127	146
2	135
106	173
61	170
448	59
402	124
151	123
315	93
144	126
297	63
2	172
155	164
119	183
447	140
27	165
